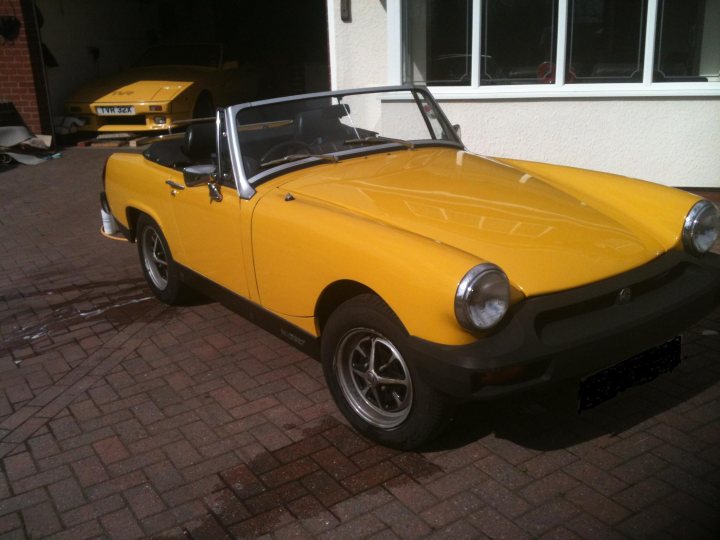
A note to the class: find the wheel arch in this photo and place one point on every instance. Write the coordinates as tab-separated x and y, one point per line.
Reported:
132	215
335	294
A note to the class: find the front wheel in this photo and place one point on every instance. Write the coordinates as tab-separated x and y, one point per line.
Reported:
160	270
372	378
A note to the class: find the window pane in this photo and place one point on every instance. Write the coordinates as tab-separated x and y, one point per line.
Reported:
606	41
437	41
518	42
687	45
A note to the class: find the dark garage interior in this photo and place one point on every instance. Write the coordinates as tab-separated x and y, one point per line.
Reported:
283	44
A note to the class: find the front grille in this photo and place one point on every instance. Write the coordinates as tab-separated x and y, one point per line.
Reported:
138	119
579	320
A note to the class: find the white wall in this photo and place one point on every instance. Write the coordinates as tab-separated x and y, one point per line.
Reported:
670	141
358	54
673	141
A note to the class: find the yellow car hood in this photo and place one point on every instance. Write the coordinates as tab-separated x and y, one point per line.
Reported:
543	238
134	86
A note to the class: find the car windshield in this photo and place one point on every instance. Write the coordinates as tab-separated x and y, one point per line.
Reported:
206	55
327	128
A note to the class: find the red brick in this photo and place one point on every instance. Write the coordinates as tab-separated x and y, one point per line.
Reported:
291	471
327	490
44	478
261	524
360	527
41	520
495	525
334	463
164	476
345	440
227	397
276	497
547	516
455	482
270	436
401	520
19	466
121	525
182	453
66	494
92	510
89	471
226	506
253	407
410	493
9	523
115	485
111	450
242	481
371	477
551	486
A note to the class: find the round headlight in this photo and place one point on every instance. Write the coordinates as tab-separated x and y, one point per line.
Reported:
482	297
701	228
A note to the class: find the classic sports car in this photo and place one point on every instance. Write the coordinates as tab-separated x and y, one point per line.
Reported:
357	227
167	84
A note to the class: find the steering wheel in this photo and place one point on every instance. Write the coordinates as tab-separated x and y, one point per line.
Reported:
271	153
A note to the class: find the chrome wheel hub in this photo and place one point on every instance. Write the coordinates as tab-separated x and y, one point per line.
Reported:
374	378
155	258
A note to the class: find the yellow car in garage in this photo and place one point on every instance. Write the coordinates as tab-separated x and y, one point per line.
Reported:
168	84
356	226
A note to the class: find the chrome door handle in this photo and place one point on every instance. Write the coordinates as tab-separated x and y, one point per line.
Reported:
174	185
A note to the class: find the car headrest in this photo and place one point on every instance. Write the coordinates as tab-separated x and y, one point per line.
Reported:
199	141
317	122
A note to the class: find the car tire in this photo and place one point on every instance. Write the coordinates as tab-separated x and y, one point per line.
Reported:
404	414
160	270
204	106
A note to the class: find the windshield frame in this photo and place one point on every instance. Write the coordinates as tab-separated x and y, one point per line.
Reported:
246	187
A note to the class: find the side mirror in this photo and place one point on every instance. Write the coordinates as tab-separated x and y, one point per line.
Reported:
456	127
195	175
231	64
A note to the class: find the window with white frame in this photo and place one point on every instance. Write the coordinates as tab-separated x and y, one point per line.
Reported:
485	45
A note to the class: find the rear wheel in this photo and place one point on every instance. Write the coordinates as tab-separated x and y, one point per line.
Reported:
160	270
372	377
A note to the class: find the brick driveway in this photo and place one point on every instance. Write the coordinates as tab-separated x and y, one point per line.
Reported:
121	417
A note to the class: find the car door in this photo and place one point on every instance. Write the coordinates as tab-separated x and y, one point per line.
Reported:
211	231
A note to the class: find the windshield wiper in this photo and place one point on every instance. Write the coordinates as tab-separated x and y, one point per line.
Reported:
296	157
379	139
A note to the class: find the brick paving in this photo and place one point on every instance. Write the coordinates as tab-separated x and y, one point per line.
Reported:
124	418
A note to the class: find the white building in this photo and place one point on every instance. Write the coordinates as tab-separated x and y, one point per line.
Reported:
639	94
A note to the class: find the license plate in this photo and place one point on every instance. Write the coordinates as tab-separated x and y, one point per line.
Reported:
639	369
116	110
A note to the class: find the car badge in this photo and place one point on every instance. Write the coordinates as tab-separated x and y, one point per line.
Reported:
624	296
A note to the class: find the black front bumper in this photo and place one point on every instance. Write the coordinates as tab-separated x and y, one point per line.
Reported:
576	332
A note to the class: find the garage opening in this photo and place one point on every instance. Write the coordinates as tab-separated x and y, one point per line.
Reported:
270	47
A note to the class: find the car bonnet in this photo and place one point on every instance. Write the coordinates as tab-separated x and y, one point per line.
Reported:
543	238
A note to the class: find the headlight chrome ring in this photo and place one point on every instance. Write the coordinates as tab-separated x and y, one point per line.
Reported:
482	297
701	228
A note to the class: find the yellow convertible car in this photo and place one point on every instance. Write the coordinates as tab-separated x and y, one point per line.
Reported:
167	84
356	226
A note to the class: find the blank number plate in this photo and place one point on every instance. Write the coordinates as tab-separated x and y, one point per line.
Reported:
116	110
639	369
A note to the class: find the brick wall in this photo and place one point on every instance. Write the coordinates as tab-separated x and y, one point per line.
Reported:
19	65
